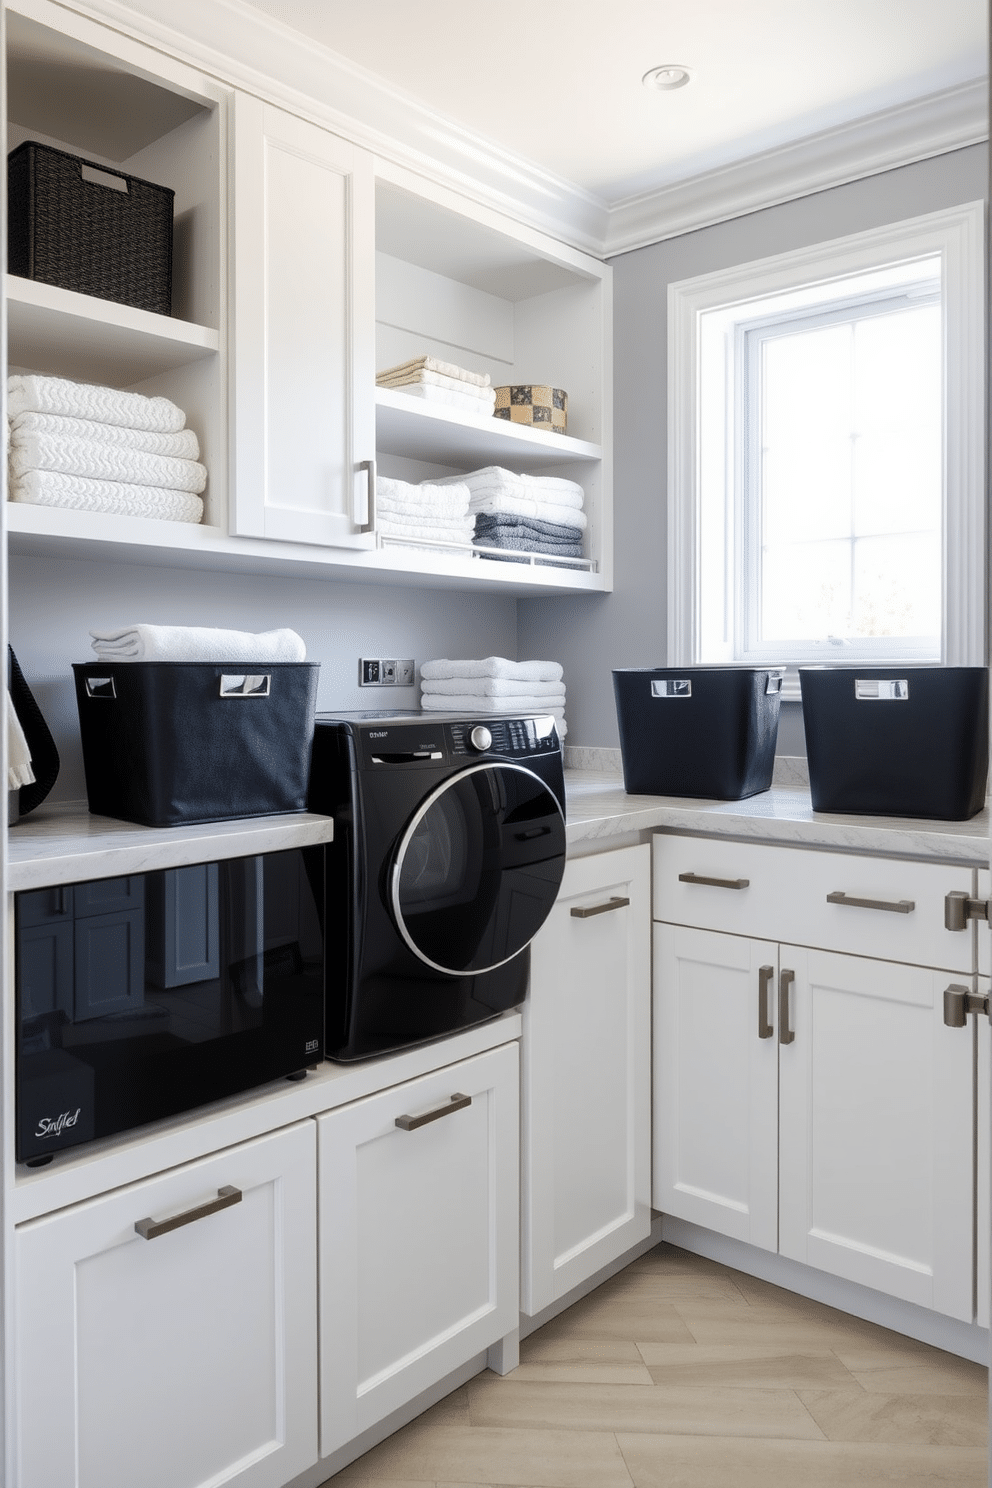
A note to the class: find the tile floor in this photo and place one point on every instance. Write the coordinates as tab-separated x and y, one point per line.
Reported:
680	1373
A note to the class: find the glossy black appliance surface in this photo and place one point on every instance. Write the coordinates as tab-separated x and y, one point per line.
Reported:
448	852
144	996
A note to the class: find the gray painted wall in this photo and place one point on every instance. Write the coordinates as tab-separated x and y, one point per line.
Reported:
54	603
591	634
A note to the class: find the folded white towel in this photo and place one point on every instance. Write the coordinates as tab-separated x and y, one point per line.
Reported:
33	393
530	506
494	687
435	364
467	702
494	478
19	771
408	380
192	643
494	666
440	529
78	493
404	498
107	462
182	445
468	401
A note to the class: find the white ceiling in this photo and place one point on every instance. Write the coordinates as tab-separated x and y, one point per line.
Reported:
557	82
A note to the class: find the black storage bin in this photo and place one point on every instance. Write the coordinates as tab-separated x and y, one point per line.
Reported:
698	731
897	741
170	742
68	224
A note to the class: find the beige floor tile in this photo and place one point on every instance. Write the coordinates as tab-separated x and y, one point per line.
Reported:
665	1286
620	1316
517	1459
580	1408
670	1258
859	1416
700	1365
915	1372
712	1322
712	1462
602	1361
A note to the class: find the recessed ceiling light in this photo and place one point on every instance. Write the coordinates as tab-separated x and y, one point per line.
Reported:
668	77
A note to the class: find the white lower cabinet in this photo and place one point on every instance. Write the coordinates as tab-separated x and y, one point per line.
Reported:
587	1077
810	1102
418	1237
184	1356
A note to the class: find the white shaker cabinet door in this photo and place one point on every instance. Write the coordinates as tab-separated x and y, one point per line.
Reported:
877	1119
418	1224
716	1031
587	1077
303	356
180	1360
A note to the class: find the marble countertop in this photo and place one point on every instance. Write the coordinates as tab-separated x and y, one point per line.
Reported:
599	811
66	844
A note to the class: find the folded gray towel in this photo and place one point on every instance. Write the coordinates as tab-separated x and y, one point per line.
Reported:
489	527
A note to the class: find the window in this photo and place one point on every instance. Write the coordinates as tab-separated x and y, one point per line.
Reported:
826	451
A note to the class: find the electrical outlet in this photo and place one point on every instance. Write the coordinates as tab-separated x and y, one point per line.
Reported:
374	672
369	672
406	672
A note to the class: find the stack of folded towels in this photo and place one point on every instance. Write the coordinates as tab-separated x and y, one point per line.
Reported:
441	382
98	449
494	686
525	513
196	643
426	514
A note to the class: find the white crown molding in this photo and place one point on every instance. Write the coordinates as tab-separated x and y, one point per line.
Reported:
240	46
929	126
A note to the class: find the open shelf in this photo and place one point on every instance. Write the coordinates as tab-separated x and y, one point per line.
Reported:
425	431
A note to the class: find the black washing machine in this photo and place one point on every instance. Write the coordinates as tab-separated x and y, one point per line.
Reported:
448	852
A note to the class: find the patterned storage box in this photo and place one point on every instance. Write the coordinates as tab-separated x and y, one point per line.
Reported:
526	403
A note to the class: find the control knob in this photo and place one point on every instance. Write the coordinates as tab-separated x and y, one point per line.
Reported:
480	738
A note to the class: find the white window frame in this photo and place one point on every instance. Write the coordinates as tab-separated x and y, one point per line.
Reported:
957	236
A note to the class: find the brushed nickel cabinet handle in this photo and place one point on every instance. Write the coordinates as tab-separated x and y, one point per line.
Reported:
370	513
456	1103
150	1229
715	883
959	1002
786	1035
583	911
765	976
895	906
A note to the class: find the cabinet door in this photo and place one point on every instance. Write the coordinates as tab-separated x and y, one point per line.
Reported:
587	1077
983	1183
715	1082
877	1120
304	374
182	1360
418	1226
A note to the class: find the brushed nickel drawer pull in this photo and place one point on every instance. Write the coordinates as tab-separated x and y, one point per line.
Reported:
715	883
150	1229
895	906
959	1002
456	1103
765	976
786	1035
584	911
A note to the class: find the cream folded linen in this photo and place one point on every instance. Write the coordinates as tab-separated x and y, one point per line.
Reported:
422	378
529	506
494	687
19	771
78	493
468	401
402	497
434	364
107	462
196	643
494	478
181	445
493	666
34	393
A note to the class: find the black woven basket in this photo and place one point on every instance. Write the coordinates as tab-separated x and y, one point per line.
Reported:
69	224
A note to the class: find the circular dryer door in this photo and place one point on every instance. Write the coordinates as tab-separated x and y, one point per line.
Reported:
478	868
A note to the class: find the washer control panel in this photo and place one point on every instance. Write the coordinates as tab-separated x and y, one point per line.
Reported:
505	736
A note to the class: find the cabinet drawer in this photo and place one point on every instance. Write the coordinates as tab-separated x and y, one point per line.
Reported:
810	898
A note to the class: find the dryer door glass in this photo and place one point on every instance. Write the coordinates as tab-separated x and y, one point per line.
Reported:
478	868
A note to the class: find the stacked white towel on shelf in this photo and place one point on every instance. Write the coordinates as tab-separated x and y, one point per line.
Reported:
437	381
539	514
196	643
91	448
494	685
425	514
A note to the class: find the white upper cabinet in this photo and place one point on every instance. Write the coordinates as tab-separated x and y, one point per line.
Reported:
302	395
